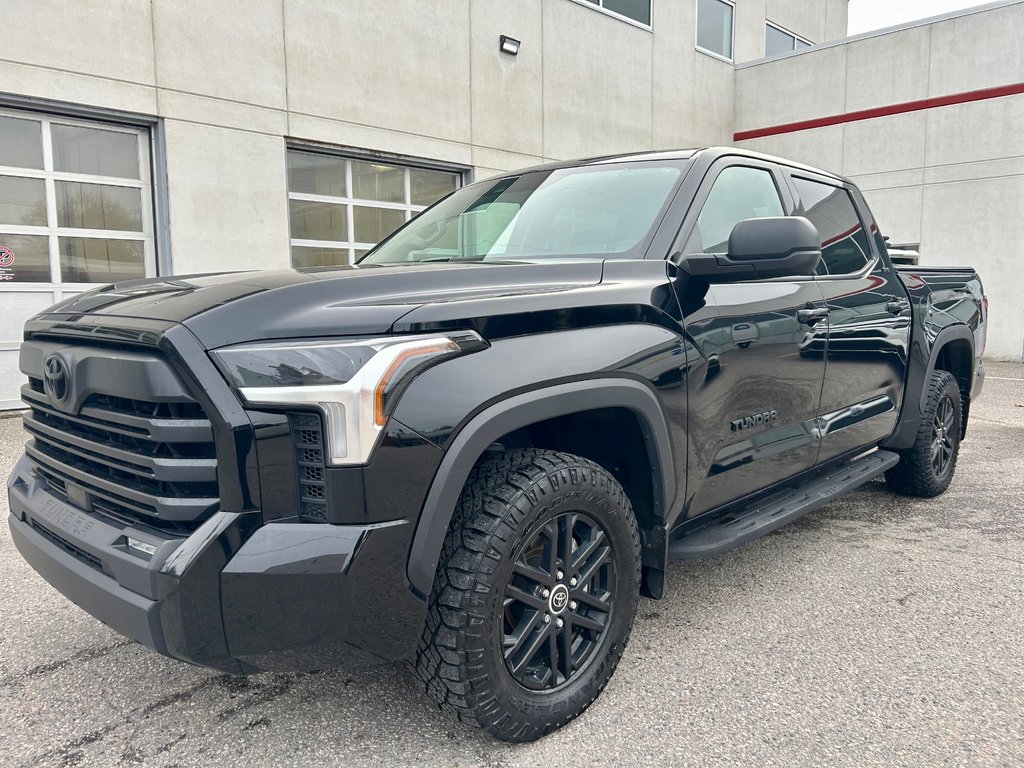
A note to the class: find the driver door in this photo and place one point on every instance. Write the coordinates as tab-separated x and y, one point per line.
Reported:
752	396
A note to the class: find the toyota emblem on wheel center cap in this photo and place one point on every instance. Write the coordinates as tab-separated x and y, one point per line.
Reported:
56	378
559	598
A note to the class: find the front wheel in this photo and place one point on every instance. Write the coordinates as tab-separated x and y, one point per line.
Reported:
926	468
534	596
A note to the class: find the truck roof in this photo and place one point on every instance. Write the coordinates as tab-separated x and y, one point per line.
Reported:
709	153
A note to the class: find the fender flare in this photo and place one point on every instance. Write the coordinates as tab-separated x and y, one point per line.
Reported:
905	432
944	337
520	411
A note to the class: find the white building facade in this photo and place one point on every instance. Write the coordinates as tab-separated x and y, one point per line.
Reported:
928	120
146	138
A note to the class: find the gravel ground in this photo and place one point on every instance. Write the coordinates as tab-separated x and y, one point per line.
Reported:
878	631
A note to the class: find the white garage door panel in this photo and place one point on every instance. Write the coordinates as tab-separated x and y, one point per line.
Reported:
15	308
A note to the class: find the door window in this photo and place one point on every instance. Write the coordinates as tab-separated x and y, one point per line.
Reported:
739	193
844	244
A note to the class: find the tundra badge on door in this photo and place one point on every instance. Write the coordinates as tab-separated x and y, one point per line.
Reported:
755	420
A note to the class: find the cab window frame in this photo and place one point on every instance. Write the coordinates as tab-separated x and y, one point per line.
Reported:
677	253
873	256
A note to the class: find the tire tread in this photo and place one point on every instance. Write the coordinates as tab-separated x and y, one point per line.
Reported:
471	553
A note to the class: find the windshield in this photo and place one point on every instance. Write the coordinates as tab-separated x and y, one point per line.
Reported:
595	211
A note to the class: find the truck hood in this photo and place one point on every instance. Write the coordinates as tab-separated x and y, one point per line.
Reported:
232	307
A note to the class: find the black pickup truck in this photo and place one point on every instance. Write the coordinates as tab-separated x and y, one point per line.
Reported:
479	446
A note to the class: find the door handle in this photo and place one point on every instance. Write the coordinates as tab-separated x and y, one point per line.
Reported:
810	316
896	306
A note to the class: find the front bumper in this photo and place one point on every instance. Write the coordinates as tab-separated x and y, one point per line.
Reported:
234	595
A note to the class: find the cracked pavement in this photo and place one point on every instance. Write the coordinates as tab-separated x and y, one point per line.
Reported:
877	631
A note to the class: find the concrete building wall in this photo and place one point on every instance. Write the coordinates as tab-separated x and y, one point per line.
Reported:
230	84
232	79
950	177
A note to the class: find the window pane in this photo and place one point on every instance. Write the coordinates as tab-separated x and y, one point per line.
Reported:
373	181
640	10
358	254
95	151
374	224
590	211
21	143
90	260
738	193
99	206
316	174
31	262
427	187
802	44
318	221
776	41
304	258
22	201
844	244
714	27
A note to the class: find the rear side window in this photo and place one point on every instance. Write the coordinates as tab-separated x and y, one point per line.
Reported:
844	244
738	193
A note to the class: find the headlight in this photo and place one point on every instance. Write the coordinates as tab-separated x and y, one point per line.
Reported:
351	382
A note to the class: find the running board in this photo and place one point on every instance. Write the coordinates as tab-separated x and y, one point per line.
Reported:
735	529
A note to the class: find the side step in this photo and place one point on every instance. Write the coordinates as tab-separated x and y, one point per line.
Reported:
735	529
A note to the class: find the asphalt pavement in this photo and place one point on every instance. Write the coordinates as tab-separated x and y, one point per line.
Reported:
878	631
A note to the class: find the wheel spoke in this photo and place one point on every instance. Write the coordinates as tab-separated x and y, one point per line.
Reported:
514	642
527	598
947	417
532	648
566	523
587	622
587	549
535	575
550	556
565	649
602	603
589	569
553	658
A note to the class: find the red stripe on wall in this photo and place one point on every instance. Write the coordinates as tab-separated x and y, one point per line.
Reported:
892	109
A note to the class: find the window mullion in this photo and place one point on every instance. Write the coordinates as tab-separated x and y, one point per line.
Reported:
350	213
51	211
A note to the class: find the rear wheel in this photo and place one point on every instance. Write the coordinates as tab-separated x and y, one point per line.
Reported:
926	468
534	596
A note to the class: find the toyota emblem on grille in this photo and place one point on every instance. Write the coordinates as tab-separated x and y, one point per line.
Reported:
56	378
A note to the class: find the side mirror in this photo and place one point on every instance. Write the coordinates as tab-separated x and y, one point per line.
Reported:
780	246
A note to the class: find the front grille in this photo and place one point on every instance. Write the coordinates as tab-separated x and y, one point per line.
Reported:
308	439
137	455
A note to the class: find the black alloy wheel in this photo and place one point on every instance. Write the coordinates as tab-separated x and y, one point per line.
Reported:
557	603
943	435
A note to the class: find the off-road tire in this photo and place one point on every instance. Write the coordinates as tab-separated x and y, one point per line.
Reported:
916	474
507	499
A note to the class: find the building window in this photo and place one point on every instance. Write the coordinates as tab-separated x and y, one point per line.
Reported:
340	207
844	243
76	204
631	10
715	28
777	40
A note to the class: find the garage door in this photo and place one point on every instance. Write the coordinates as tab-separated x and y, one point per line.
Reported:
76	211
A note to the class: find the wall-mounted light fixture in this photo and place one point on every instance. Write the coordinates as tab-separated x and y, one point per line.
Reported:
509	45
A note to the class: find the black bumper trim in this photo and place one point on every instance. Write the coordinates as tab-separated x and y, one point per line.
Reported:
96	593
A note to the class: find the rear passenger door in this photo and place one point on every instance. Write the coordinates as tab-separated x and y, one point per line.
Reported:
752	397
866	338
